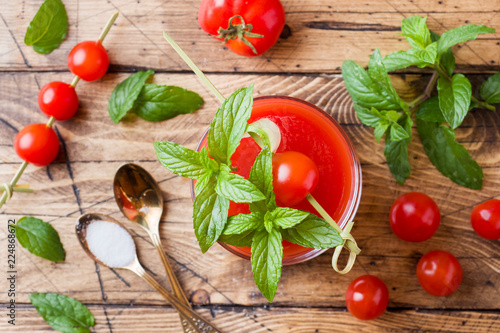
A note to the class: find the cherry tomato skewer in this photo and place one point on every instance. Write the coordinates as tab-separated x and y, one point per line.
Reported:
9	188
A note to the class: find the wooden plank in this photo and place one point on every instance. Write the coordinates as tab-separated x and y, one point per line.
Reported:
323	35
126	319
95	147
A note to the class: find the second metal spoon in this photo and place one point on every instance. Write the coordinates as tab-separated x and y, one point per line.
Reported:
140	200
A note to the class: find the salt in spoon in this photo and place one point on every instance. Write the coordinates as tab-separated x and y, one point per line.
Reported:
128	260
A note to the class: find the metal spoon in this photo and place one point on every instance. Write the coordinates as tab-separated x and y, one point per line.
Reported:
140	200
198	324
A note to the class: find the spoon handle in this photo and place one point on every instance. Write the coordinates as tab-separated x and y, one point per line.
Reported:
172	279
198	324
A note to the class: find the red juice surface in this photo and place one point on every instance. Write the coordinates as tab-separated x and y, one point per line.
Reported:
303	129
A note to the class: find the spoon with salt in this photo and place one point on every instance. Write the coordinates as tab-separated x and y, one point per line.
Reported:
110	244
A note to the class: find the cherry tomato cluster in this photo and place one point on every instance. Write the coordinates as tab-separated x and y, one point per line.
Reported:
38	143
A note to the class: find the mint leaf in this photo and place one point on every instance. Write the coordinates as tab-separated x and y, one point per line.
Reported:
261	175
288	217
238	224
209	216
40	238
179	160
454	98
158	102
48	28
243	239
449	156
206	161
460	35
381	129
402	59
429	111
414	29
202	181
378	74
398	133
396	152
229	124
313	232
369	117
268	222
125	93
236	188
429	54
365	91
447	60
267	257
65	314
490	89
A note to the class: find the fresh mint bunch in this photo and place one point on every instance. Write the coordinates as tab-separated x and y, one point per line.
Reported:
378	105
216	185
267	225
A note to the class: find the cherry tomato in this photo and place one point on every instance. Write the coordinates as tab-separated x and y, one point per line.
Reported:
367	297
59	100
37	144
266	17
414	217
439	273
294	176
89	60
485	219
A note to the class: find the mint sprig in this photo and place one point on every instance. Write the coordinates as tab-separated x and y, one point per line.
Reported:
216	184
39	238
378	105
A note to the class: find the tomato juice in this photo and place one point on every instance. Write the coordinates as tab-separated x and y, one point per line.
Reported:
306	129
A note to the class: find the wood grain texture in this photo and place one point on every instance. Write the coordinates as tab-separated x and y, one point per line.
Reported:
131	319
323	35
80	182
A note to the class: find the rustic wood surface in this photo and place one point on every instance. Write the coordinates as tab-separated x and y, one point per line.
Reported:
305	64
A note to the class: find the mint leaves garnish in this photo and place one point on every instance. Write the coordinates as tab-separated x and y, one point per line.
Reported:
65	314
48	28
151	102
216	185
39	238
378	105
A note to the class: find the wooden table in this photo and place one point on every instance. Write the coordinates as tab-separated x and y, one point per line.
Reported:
305	63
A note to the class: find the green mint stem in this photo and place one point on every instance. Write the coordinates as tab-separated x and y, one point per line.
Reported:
108	26
427	92
483	104
193	67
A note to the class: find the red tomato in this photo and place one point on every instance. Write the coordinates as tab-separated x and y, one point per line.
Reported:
414	217
88	60
294	176
37	144
262	17
367	297
485	219
439	273
59	100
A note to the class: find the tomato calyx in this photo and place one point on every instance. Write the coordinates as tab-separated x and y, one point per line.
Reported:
240	31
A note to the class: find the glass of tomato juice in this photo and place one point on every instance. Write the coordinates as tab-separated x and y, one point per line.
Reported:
307	129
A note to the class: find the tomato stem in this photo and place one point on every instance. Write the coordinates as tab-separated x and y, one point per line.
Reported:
51	121
240	31
75	81
193	67
9	187
108	27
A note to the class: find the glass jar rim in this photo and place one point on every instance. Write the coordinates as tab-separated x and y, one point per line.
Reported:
354	197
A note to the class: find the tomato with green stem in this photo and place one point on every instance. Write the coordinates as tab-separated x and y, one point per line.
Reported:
439	273
485	219
59	100
248	28
414	217
294	177
367	297
88	60
37	144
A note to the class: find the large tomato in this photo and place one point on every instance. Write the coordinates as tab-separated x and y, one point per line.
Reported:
248	28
